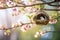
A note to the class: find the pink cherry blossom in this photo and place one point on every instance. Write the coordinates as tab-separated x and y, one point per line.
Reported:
15	11
10	4
52	21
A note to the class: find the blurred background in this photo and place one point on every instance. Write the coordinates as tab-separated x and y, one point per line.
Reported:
14	21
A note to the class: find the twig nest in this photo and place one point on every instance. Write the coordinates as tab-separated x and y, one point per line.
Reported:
41	18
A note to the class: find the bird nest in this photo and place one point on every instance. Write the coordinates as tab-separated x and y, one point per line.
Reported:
41	18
